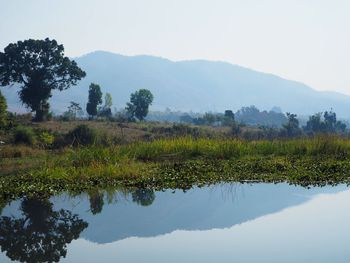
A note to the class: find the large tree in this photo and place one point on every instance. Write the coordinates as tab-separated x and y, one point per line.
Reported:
139	103
38	66
95	99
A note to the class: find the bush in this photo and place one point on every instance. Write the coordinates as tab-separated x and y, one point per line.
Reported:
24	135
46	139
82	135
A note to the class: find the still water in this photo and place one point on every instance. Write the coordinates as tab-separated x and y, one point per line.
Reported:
222	223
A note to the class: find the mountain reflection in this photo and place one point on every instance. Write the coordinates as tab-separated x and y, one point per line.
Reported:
34	230
39	233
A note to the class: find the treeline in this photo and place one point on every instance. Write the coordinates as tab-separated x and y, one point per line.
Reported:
136	109
251	123
251	116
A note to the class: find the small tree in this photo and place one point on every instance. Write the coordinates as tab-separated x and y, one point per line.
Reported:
106	111
229	118
230	114
108	101
139	104
3	111
291	128
95	99
314	124
330	120
39	66
74	108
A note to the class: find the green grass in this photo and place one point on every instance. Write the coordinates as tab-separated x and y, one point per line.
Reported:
187	148
178	163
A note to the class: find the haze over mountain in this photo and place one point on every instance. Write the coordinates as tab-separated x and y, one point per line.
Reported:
196	85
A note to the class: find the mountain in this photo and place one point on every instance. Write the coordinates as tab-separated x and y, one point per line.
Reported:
197	85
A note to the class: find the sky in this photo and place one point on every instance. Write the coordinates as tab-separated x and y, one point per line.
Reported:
302	40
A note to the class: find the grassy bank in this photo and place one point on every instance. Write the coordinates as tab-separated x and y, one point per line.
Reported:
176	163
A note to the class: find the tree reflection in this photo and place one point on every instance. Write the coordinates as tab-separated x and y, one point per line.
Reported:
39	234
3	204
96	202
144	197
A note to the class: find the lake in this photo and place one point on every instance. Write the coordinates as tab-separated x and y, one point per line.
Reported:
220	223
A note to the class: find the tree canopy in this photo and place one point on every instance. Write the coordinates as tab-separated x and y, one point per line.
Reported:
327	124
38	66
291	128
139	103
95	99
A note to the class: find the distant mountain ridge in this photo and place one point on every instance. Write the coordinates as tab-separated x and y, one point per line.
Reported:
196	85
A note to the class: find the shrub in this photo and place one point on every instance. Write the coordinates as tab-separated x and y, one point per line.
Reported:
82	135
46	139
60	141
24	135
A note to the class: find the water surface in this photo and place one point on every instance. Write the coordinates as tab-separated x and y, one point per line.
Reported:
222	223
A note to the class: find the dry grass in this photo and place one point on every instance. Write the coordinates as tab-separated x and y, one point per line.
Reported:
131	132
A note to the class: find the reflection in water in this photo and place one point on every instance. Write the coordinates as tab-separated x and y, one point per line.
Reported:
96	202
144	197
39	234
39	230
3	204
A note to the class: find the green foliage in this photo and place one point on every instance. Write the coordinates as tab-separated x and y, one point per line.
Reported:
40	67
314	124
211	119
106	111
139	104
95	99
327	124
108	101
229	118
96	202
3	111
291	128
143	197
24	135
183	163
82	135
46	139
229	114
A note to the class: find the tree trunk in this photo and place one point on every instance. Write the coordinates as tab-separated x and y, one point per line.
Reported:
42	112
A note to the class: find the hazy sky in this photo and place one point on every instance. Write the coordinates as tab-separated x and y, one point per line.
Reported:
304	40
